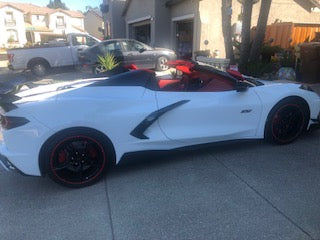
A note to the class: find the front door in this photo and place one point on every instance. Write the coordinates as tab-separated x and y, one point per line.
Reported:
210	116
138	54
184	39
80	42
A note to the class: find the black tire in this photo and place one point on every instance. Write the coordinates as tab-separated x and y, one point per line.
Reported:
287	121
160	64
39	68
77	157
98	69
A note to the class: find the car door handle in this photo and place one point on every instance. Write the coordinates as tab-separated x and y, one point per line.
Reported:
130	54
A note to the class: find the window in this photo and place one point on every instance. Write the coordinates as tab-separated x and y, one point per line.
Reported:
12	36
60	21
133	45
38	17
111	47
9	16
9	20
83	40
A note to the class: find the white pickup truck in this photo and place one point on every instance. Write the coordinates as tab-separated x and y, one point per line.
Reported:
62	52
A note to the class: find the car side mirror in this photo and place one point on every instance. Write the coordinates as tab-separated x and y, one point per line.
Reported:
141	50
241	86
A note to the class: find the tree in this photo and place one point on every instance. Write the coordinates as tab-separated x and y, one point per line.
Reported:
261	30
88	8
226	12
245	32
57	4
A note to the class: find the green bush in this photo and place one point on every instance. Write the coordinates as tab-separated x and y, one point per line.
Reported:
108	62
258	69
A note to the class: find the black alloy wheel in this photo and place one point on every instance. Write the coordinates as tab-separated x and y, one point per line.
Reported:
286	122
78	160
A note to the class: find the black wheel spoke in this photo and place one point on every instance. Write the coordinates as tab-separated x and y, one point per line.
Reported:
77	160
288	122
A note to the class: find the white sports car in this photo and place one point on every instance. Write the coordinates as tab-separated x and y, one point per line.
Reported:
74	131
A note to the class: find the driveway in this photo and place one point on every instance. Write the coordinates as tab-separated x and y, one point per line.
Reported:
239	190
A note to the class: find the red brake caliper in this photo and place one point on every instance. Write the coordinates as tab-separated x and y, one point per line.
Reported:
62	157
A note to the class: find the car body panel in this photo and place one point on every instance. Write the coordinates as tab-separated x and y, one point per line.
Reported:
211	116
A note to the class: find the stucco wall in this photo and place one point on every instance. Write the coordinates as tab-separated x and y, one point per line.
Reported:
19	27
183	11
92	22
41	22
211	27
69	23
162	25
140	9
291	11
184	8
118	28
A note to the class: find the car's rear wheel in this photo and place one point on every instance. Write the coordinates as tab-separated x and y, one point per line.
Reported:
161	64
286	121
78	157
39	68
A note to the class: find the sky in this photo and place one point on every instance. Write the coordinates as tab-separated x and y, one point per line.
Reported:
71	4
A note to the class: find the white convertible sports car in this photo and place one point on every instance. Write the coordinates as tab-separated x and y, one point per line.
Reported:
74	131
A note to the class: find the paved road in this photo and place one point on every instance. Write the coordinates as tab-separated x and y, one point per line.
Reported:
240	190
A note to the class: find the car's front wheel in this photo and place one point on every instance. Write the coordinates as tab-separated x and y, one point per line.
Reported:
161	64
286	121
77	157
98	69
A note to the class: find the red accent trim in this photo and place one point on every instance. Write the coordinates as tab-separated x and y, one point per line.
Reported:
236	74
184	69
176	63
78	136
131	67
165	82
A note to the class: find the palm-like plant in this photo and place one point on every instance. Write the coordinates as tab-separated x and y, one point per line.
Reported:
107	62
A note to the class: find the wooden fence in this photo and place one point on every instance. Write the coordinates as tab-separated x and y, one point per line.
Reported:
287	35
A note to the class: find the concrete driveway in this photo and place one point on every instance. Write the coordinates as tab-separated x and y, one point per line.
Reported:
240	190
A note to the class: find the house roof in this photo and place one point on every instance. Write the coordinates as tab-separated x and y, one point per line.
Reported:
75	14
34	9
95	11
26	7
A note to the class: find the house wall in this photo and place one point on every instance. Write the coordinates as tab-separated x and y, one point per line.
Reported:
138	10
19	26
207	18
69	23
162	23
92	23
291	11
41	22
211	27
53	22
77	22
118	26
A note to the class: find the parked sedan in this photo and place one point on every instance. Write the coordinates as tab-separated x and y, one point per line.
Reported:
127	51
